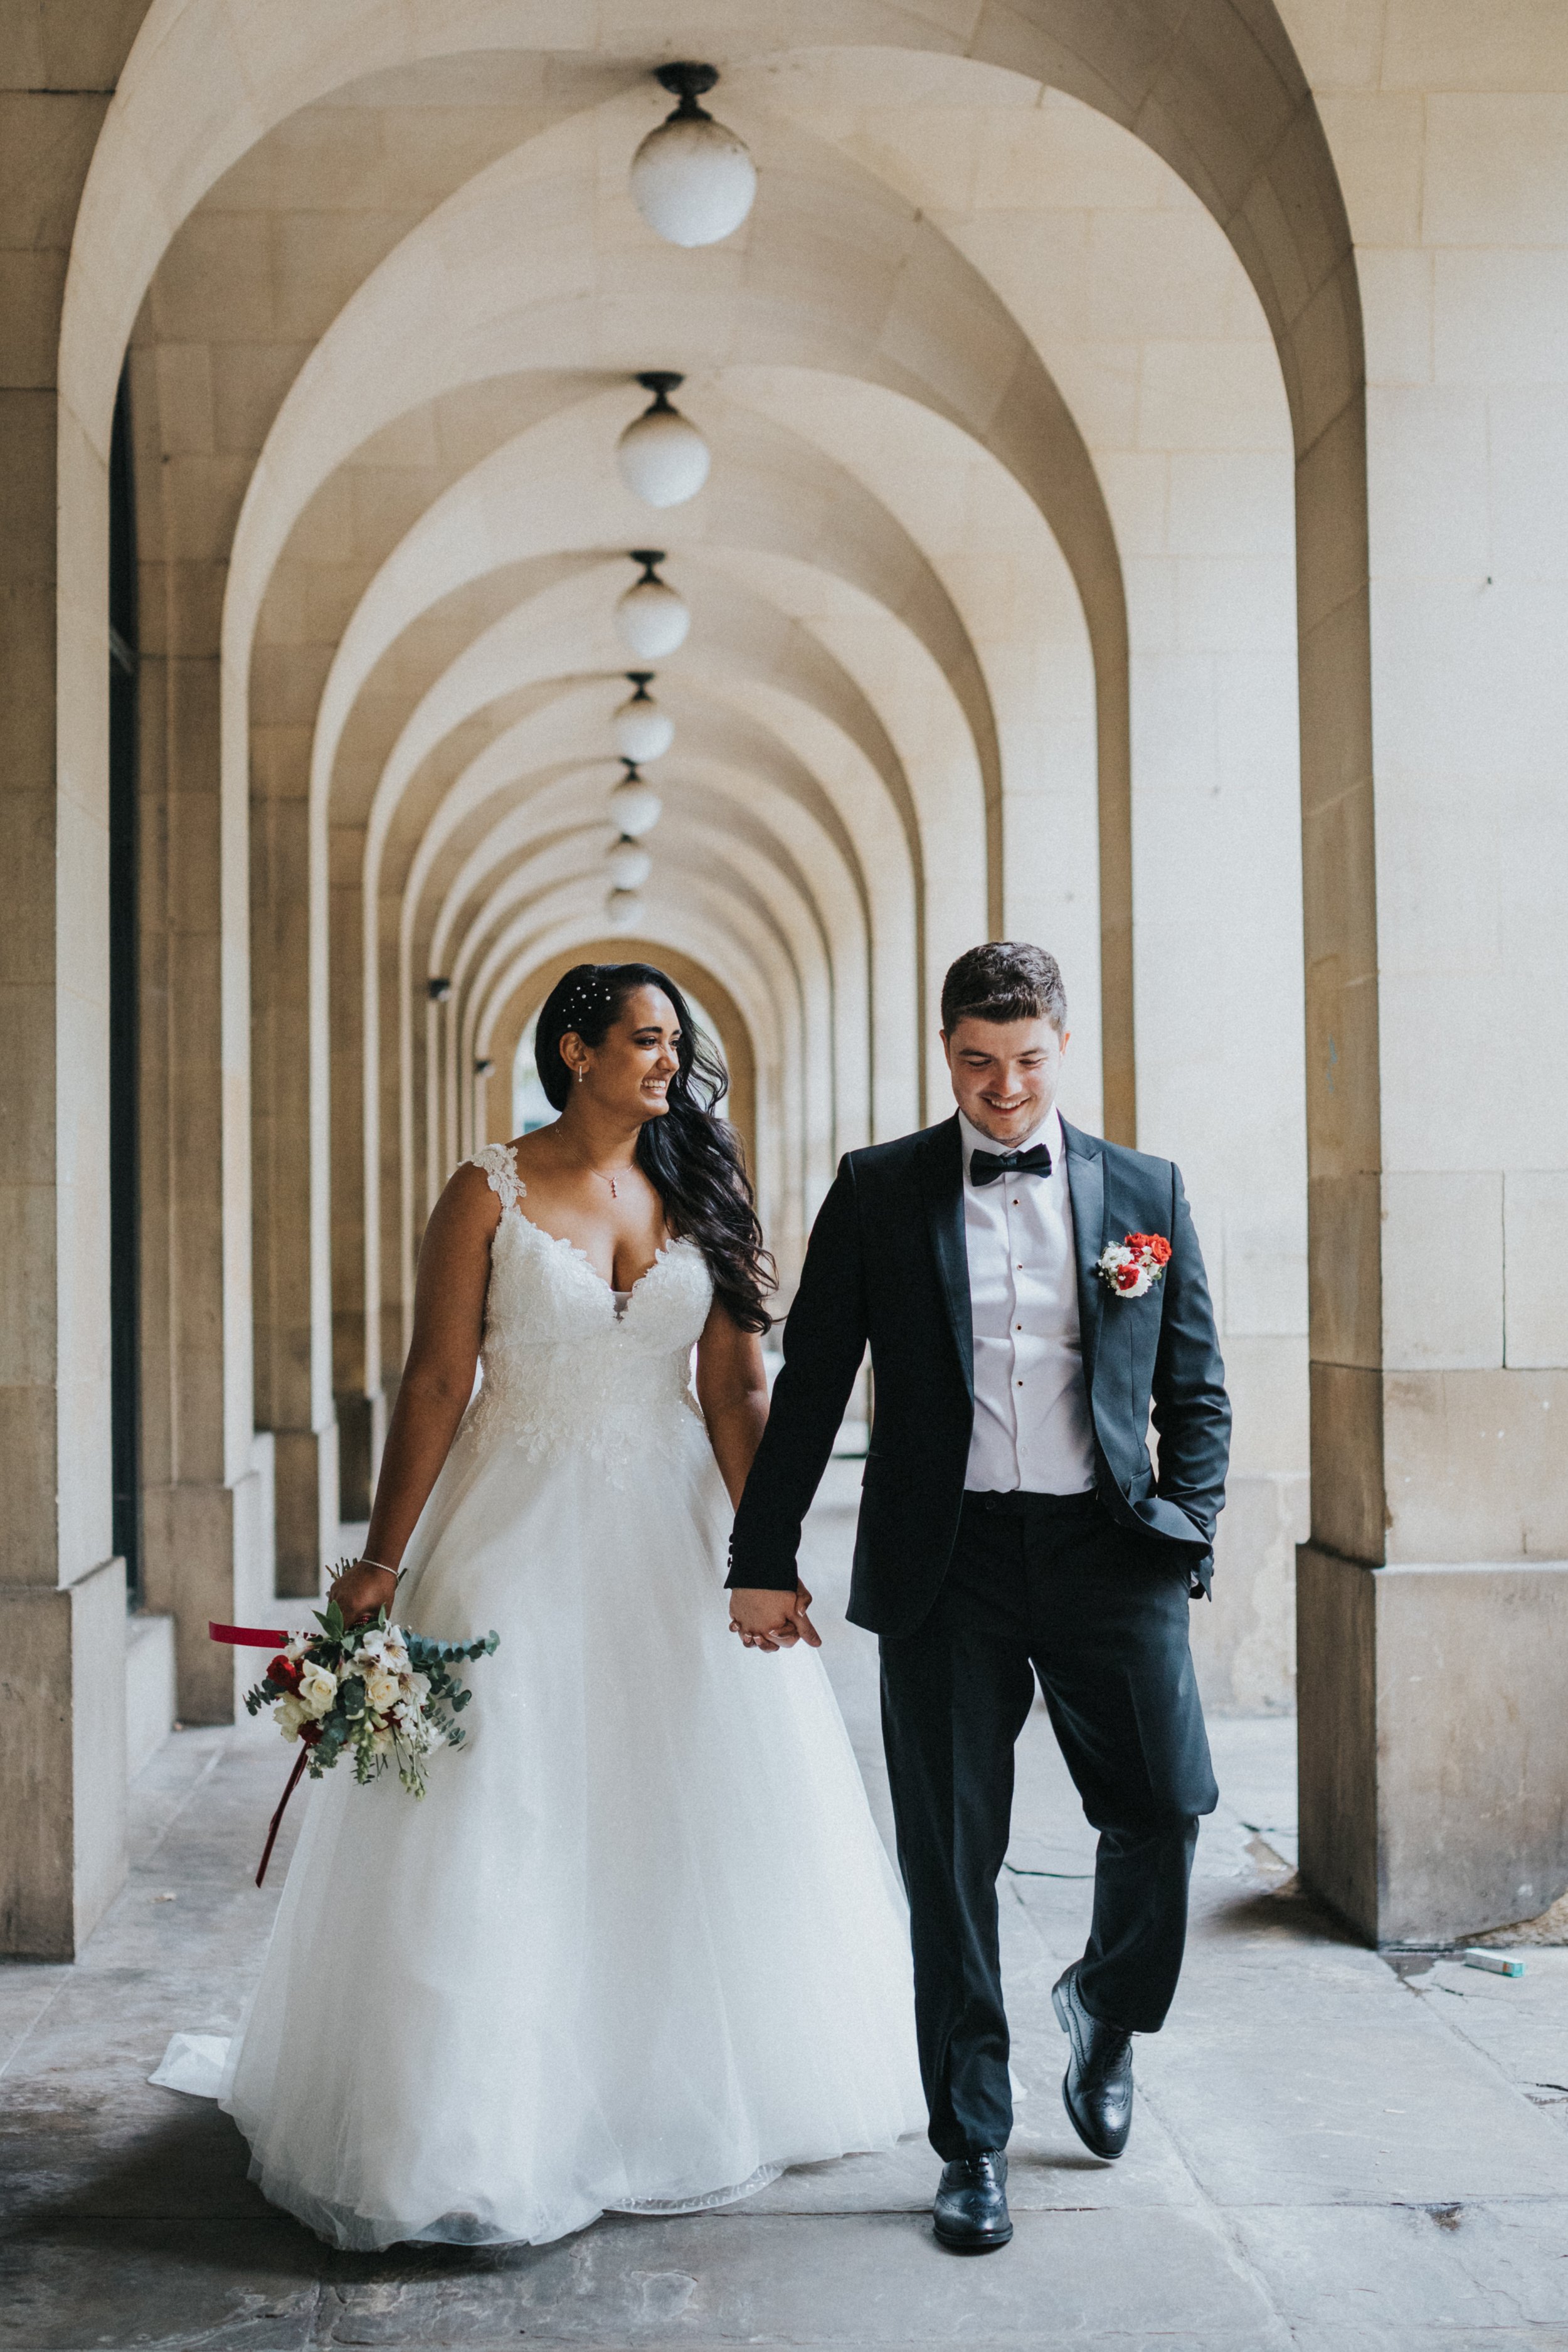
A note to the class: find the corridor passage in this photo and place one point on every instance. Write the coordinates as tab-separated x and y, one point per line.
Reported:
1328	2154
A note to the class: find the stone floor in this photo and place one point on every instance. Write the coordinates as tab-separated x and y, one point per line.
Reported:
1327	2154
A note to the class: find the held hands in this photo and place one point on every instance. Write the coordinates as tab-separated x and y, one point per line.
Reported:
772	1621
360	1591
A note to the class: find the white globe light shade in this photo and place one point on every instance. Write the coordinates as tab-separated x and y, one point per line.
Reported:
651	620
636	807
625	909
627	866
643	731
663	458
692	180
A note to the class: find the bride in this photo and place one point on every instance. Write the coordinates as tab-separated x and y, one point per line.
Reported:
639	1947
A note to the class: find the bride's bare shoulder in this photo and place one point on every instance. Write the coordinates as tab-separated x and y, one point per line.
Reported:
475	1193
534	1153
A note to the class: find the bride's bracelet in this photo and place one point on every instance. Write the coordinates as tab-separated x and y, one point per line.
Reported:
395	1572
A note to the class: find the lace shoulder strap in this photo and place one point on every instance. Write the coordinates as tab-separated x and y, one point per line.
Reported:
500	1172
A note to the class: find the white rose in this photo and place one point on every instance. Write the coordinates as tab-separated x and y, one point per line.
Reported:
382	1690
318	1689
288	1714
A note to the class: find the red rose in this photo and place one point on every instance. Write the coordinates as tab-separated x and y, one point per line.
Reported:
309	1734
284	1672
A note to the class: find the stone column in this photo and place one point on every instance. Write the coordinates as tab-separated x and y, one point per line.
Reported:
293	1331
1434	1595
357	1395
205	1515
290	1094
62	1592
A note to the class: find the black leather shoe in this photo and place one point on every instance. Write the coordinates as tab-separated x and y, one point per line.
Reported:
971	2210
1097	2089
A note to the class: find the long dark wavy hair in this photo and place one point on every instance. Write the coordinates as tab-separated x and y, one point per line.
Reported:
691	1156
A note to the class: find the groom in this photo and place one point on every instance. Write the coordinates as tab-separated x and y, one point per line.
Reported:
1012	1526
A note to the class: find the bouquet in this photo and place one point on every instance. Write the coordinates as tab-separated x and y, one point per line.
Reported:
375	1691
386	1696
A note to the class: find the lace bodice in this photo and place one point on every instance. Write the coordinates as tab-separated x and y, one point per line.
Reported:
564	1374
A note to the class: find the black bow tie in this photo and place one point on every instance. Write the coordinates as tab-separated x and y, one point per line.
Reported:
987	1166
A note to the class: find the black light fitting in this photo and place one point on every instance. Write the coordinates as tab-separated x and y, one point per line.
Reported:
661	382
688	82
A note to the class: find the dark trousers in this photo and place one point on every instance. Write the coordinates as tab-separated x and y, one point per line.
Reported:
1045	1585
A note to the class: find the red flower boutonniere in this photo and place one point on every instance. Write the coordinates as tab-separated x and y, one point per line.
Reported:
1130	1267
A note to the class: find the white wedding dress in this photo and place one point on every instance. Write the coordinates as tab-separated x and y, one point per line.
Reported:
639	1947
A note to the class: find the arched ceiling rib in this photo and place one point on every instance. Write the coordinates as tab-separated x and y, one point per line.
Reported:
771	489
1217	93
369	344
736	805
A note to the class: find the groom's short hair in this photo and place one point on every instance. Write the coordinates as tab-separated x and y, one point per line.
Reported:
1007	980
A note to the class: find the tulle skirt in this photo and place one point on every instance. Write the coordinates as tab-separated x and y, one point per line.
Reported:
639	1947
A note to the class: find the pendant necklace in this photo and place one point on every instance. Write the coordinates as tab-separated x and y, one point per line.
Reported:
606	1180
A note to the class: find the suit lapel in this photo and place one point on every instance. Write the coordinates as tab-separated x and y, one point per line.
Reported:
941	1185
1086	1185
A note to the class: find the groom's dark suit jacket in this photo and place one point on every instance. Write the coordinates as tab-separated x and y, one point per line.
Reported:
888	1264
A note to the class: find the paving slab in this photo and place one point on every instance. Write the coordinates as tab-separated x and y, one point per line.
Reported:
1325	2083
875	2279
1520	2024
1452	2266
1338	2335
161	2286
25	1995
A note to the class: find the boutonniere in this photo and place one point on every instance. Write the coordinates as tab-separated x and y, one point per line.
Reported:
1132	1266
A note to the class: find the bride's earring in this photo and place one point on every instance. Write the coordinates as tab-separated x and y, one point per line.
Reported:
582	1071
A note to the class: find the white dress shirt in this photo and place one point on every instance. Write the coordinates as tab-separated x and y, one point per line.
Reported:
1033	1427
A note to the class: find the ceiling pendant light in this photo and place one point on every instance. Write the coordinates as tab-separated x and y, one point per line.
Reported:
692	180
651	619
625	909
643	731
628	866
663	458
635	806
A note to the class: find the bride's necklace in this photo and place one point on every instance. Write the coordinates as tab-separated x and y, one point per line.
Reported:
599	1174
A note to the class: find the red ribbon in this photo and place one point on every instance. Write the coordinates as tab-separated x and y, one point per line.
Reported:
299	1763
263	1637
248	1637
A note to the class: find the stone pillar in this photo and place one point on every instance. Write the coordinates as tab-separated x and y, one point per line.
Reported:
62	1592
357	1396
1433	1598
202	1513
292	1334
392	1158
